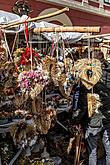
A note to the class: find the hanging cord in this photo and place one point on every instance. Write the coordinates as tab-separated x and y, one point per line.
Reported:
15	39
52	48
90	56
30	38
3	42
18	41
46	47
1	34
63	45
68	45
88	41
93	49
70	53
56	45
26	32
7	47
2	38
93	40
63	48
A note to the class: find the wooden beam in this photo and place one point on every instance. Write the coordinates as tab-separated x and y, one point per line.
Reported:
106	46
82	29
97	36
106	41
36	18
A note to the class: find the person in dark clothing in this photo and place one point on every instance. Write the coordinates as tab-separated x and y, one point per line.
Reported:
98	125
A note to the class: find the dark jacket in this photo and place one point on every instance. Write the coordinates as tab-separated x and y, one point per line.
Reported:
103	115
101	88
104	94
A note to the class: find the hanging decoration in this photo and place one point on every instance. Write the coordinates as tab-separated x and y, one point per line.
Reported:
94	103
44	117
8	81
61	72
32	82
89	71
22	58
3	57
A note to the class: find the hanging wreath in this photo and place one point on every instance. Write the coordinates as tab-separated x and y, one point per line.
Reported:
32	82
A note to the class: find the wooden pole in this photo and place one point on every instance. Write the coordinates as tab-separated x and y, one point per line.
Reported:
37	18
81	29
104	45
106	41
97	36
77	151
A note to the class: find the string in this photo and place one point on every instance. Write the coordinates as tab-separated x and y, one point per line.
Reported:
63	47
14	42
30	49
92	90
27	34
7	47
56	45
68	46
53	47
70	53
26	31
88	40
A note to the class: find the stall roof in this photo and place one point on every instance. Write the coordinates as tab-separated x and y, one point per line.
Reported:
7	17
70	37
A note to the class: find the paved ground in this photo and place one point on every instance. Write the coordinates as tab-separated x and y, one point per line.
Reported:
101	162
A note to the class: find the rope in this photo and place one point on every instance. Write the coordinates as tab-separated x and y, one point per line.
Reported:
14	43
56	45
26	31
92	90
88	40
7	47
68	46
30	49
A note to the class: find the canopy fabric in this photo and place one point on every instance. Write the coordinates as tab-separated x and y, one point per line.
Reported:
7	17
70	37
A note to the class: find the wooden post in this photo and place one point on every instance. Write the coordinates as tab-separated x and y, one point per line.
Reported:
82	29
36	18
78	148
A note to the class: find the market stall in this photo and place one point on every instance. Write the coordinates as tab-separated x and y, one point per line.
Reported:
36	95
